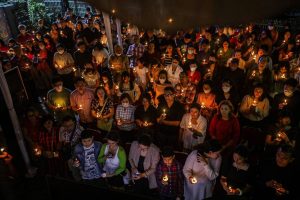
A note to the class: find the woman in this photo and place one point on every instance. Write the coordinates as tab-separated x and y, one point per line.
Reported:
143	159
128	86
207	100
145	115
192	128
224	53
160	85
112	159
228	93
173	71
102	109
255	107
54	33
201	169
107	83
225	127
237	177
91	76
125	118
48	144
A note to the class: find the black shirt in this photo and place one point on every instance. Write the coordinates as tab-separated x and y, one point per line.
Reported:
149	115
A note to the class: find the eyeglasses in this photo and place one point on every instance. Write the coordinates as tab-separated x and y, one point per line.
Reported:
168	95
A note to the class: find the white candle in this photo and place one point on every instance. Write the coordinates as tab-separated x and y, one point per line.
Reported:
194	180
165	178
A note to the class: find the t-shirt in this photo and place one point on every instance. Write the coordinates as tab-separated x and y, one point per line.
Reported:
91	169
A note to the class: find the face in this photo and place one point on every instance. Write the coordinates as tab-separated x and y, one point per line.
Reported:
169	96
225	110
48	124
112	144
282	159
100	93
262	65
207	88
195	113
238	159
69	125
238	55
212	155
285	121
175	62
31	116
58	86
126	79
125	101
145	102
87	142
80	86
258	92
168	160
225	45
143	147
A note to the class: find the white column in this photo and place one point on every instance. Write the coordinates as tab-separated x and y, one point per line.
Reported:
15	121
106	19
118	23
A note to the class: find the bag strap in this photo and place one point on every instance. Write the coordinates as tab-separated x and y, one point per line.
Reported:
103	106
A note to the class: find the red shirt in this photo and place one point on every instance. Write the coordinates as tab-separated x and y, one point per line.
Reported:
224	130
196	76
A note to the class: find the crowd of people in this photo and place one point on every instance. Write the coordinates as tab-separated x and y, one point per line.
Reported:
207	112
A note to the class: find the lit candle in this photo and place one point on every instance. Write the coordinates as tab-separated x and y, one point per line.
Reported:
37	152
74	69
119	122
230	189
164	55
283	76
134	70
202	105
58	106
165	178
221	53
2	149
117	87
253	73
146	123
284	102
204	61
98	115
146	43
164	114
184	59
194	180
80	107
151	80
190	124
254	103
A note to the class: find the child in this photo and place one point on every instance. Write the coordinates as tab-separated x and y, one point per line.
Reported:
85	157
169	176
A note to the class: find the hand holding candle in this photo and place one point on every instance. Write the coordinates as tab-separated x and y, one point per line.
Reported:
193	180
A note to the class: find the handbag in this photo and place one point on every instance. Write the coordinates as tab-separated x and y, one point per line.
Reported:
104	124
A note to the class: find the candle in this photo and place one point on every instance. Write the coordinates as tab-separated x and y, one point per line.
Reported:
164	55
119	122
37	152
2	149
284	102
283	76
74	69
194	180
58	106
151	80
254	103
202	105
184	59
204	61
117	87
44	98
164	113
146	123
230	189
253	73
146	43
254	57
190	124
134	70
80	106
165	178
98	115
221	53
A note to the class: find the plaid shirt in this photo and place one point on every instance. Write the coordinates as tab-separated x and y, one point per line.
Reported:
136	51
65	135
125	114
46	138
174	188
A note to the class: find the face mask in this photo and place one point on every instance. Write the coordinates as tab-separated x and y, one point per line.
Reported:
226	89
105	81
125	105
193	69
162	80
61	51
118	54
288	93
190	51
206	91
42	47
39	37
270	27
103	32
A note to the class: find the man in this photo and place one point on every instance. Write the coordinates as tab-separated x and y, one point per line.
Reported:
58	100
80	100
118	63
169	114
64	64
136	50
24	36
169	176
82	56
288	100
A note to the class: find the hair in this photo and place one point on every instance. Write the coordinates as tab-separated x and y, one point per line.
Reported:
114	136
56	79
78	79
259	85
85	134
242	151
207	146
46	118
287	149
126	96
145	140
80	43
227	103
123	75
147	96
96	91
235	61
167	151
68	118
195	105
291	82
169	88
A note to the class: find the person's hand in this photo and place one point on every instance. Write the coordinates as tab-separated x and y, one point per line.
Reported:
201	159
76	163
271	184
281	106
177	198
281	191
